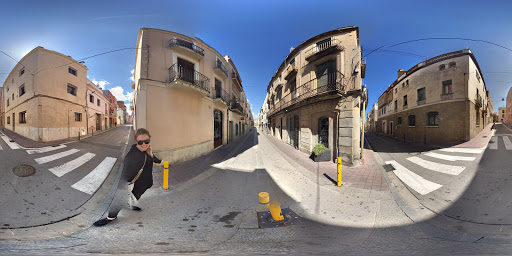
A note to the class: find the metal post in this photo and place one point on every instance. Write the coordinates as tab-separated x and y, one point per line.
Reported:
339	172
362	130
166	175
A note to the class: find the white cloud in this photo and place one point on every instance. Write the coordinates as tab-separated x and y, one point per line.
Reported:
131	77
118	92
101	84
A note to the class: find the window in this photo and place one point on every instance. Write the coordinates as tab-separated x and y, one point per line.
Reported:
7	102
8	120
399	120
405	100
407	83
23	119
441	67
395	90
396	105
72	89
91	98
98	102
432	118
477	75
8	87
12	96
447	87
412	120
421	94
22	89
72	71
78	117
403	85
22	72
452	64
477	113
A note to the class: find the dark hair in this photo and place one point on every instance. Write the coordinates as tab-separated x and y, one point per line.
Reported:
141	131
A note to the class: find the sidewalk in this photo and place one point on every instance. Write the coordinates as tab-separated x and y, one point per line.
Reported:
367	175
480	140
29	143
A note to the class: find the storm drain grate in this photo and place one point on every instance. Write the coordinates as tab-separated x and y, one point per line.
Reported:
265	219
389	167
24	170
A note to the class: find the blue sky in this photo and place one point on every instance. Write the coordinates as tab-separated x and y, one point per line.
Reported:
257	35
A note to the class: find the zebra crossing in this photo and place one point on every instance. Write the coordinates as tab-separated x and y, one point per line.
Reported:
88	184
428	162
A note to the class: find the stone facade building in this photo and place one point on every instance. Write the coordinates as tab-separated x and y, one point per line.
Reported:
2	119
371	121
187	95
97	110
315	97
121	113
440	101
502	114
111	106
45	96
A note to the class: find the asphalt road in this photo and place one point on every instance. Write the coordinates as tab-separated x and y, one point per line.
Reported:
479	194
216	214
59	186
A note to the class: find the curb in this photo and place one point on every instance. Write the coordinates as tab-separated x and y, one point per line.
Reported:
424	223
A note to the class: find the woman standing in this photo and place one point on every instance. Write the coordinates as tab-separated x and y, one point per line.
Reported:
136	178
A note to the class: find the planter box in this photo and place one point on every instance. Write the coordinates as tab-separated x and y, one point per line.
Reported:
324	157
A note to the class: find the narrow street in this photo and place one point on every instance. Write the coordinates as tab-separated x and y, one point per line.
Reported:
216	212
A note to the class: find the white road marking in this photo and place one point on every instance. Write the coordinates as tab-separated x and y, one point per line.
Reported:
12	145
71	165
44	150
1	147
413	180
437	167
90	183
463	150
50	158
450	158
508	144
494	144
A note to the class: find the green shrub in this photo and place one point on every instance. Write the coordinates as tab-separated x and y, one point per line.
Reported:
319	149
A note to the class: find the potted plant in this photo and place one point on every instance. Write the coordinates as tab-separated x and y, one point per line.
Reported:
321	153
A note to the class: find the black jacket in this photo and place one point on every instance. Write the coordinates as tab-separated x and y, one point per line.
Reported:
133	162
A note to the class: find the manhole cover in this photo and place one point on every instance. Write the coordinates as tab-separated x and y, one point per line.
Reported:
24	170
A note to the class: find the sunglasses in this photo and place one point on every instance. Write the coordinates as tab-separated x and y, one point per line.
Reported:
143	141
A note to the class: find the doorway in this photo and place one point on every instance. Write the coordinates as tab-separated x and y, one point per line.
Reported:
326	75
186	70
13	121
217	128
98	122
293	130
323	131
391	127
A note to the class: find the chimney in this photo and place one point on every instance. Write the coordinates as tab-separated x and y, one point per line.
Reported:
401	72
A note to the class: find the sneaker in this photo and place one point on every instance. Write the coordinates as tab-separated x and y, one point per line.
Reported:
136	208
103	222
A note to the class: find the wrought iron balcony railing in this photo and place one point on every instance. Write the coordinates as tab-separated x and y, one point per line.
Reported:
221	94
323	46
478	100
236	78
330	82
177	72
236	105
189	45
219	66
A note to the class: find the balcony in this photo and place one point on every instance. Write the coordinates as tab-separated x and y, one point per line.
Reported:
236	80
187	47
478	101
189	78
221	95
220	69
290	72
236	106
324	85
322	49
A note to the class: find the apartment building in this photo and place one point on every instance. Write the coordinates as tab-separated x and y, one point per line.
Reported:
111	106
315	96
121	113
502	114
186	94
508	110
371	120
440	101
263	116
45	96
2	121
97	110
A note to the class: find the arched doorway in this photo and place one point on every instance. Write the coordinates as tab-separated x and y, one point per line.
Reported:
323	131
217	128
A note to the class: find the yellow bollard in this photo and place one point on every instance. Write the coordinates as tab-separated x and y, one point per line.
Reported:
166	175
275	211
339	171
263	198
